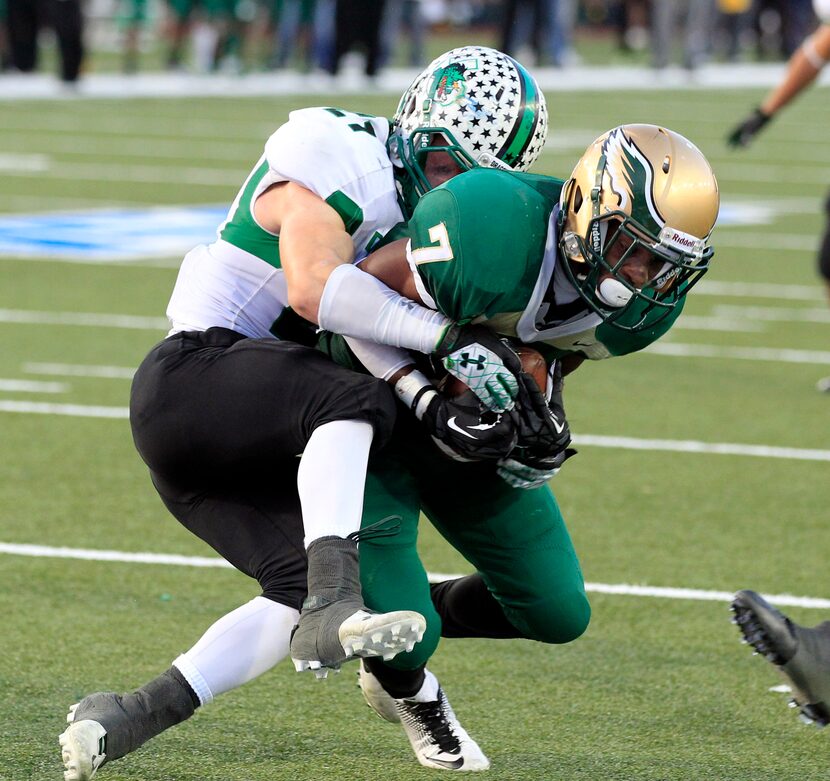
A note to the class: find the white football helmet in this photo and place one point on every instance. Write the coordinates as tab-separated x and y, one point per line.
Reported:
477	104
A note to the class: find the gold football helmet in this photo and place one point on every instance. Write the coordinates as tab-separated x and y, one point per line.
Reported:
641	195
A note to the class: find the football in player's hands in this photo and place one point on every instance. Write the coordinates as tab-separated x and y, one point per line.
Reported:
533	363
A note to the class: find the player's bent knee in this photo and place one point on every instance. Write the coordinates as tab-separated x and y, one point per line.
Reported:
557	620
284	588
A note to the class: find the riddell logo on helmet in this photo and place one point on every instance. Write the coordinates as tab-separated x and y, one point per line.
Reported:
683	240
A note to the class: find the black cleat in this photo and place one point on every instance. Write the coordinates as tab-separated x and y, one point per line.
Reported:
802	655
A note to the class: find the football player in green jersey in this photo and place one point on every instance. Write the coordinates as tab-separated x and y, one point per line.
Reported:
597	266
223	406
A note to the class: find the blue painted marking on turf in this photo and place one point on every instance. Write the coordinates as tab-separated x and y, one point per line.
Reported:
111	234
131	234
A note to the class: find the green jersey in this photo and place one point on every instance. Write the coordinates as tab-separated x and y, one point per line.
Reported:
484	248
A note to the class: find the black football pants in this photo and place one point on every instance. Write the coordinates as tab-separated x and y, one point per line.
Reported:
221	419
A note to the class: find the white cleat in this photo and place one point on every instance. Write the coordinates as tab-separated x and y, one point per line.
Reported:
370	634
381	634
377	698
434	732
83	748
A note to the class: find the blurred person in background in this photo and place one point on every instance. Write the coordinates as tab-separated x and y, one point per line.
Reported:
693	19
26	18
781	26
545	26
5	59
407	16
735	19
357	25
293	27
132	17
802	69
212	26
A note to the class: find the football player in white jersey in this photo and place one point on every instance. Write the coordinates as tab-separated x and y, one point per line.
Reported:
803	68
223	406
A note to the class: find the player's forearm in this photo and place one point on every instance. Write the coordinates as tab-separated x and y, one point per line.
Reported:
357	304
804	66
311	250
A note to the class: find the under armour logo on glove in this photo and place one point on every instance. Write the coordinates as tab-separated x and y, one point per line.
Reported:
467	362
486	364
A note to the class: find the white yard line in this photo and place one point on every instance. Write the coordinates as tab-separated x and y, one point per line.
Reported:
590	440
165	559
695	446
10	162
65	410
773	314
774	355
146	174
136	322
30	386
727	325
772	242
78	370
83	144
760	290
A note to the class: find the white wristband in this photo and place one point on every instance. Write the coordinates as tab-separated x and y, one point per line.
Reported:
811	54
355	303
416	391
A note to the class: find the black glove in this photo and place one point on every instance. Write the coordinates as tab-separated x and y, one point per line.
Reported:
463	432
543	428
523	470
483	362
748	129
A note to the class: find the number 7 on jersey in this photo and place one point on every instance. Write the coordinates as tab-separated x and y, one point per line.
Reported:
437	235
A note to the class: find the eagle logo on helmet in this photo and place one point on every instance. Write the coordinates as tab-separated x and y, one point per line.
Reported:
632	180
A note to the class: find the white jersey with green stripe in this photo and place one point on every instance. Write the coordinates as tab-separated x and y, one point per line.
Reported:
237	282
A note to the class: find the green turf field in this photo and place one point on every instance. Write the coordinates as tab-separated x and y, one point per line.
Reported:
658	689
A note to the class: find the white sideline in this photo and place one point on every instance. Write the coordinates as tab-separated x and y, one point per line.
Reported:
391	81
619	589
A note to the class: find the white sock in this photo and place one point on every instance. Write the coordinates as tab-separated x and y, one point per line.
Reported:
239	647
429	690
332	477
